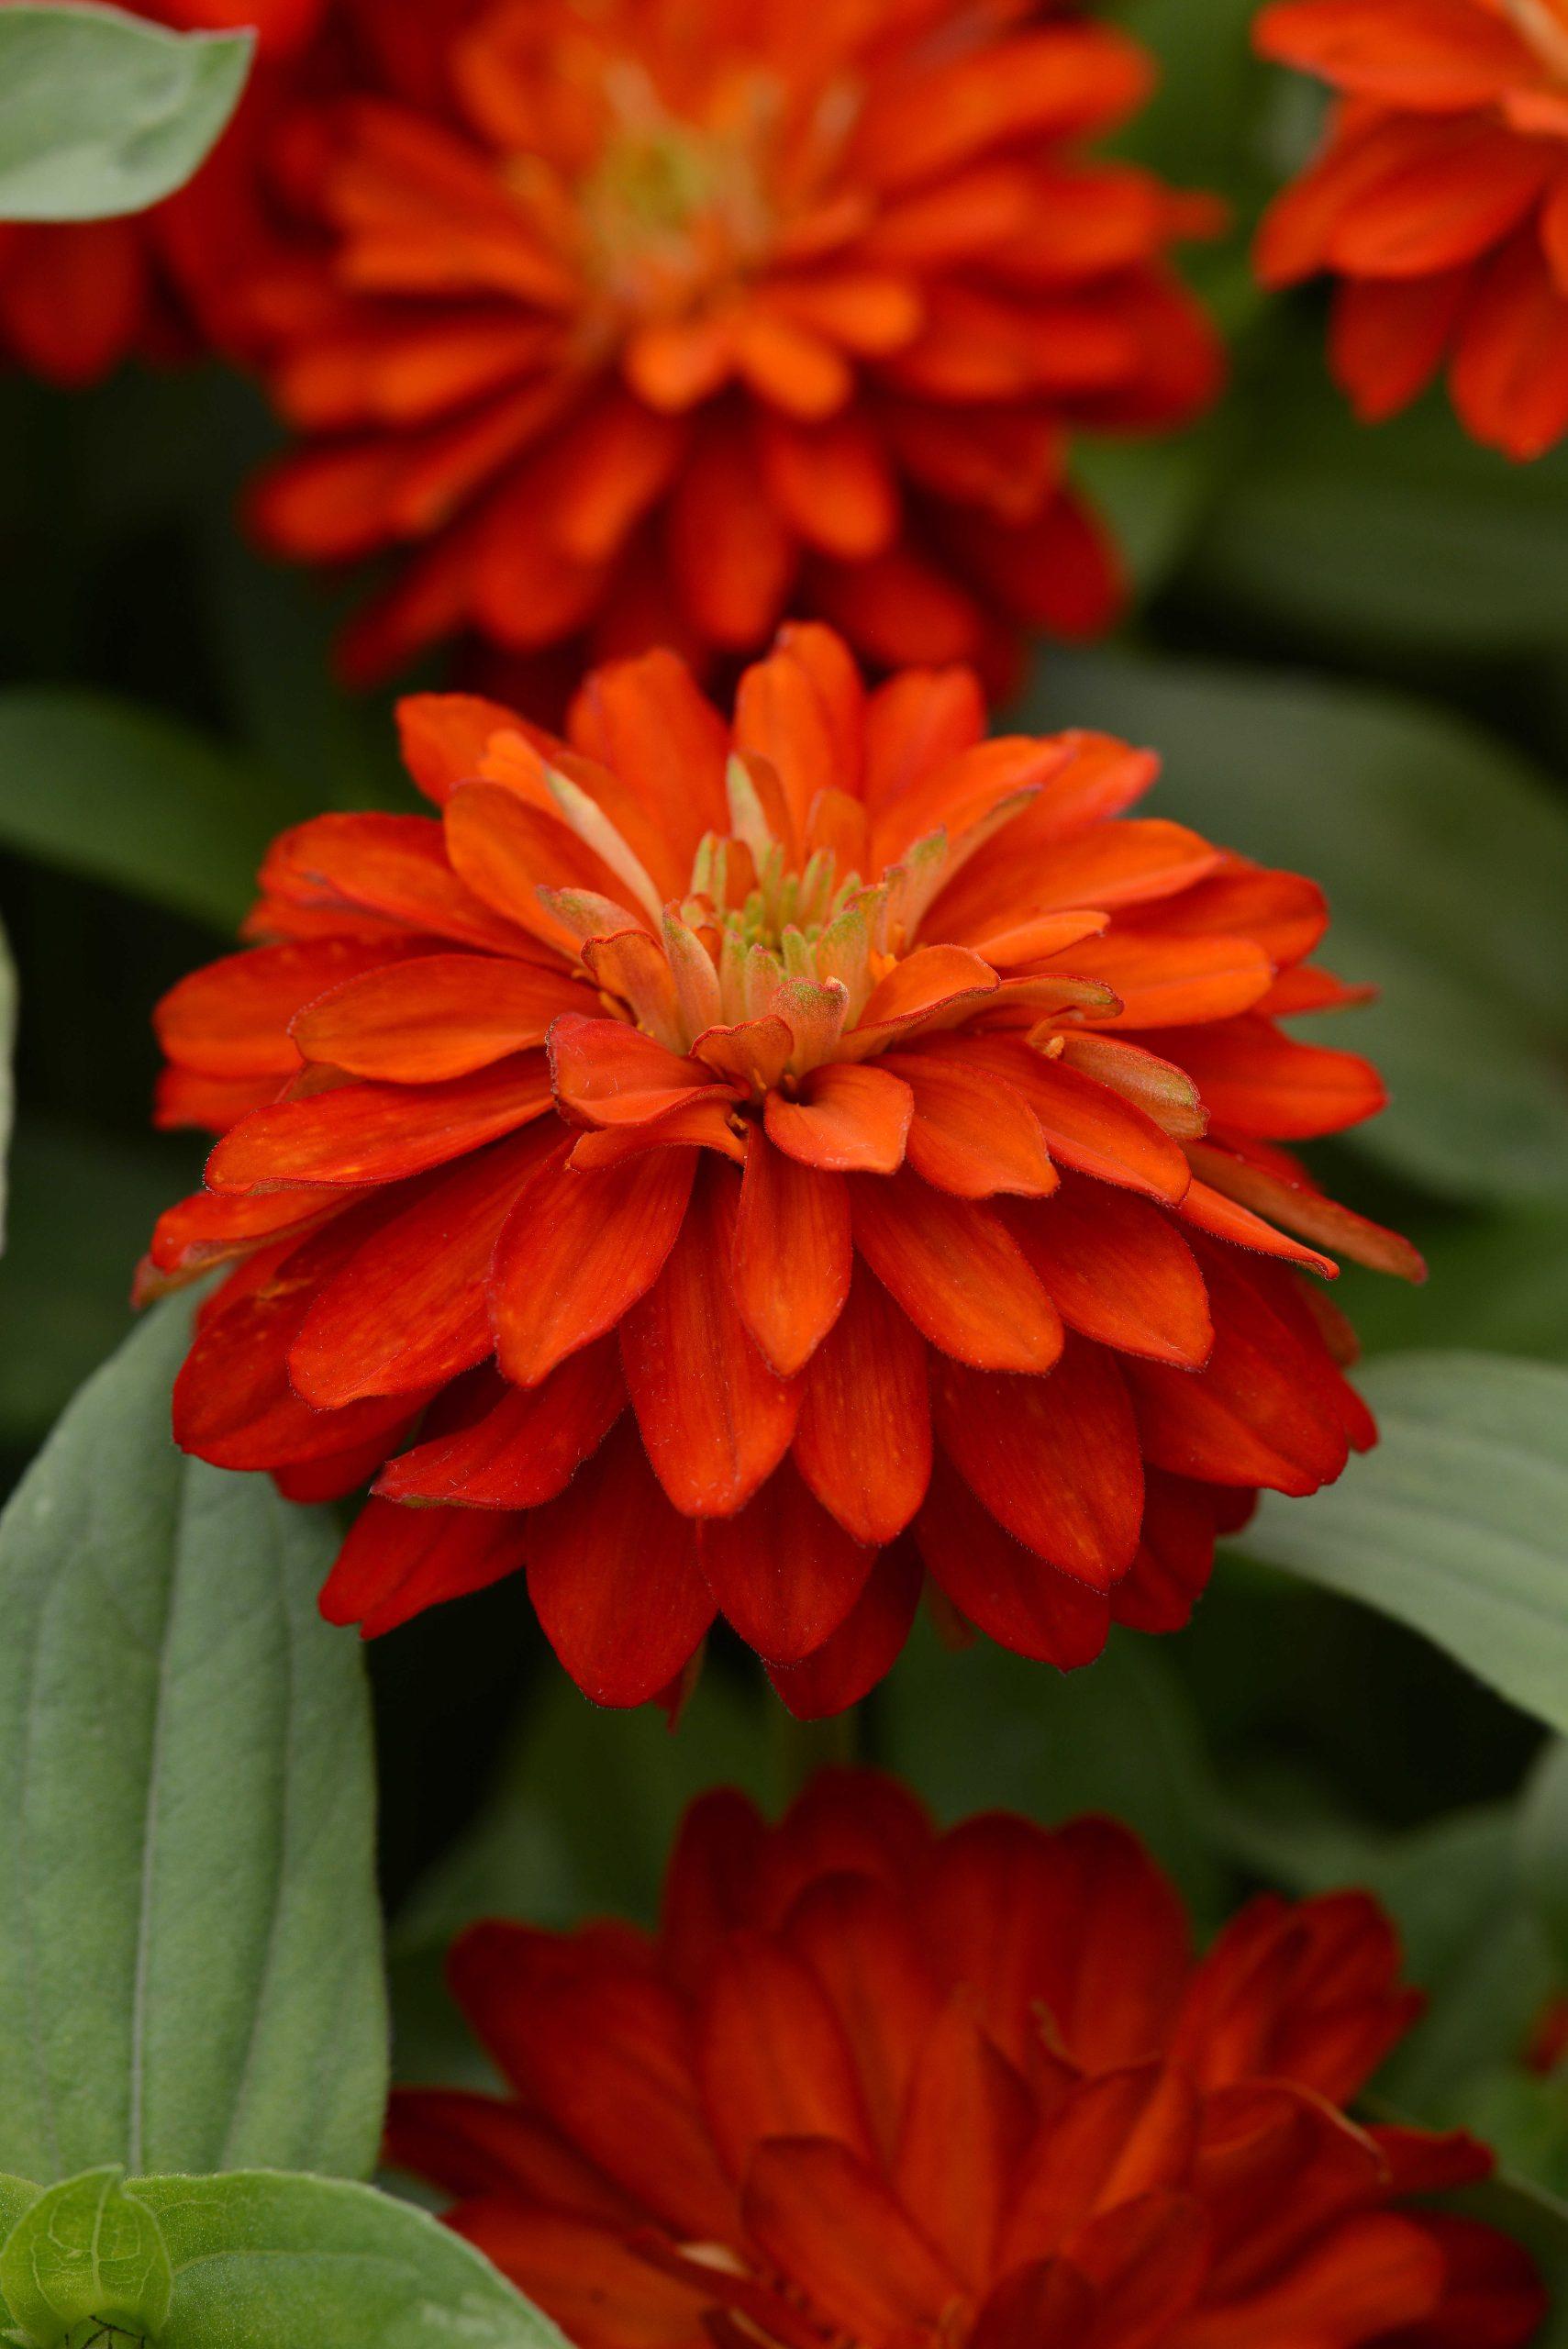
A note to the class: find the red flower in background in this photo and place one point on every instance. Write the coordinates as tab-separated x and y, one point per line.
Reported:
1440	203
869	2084
78	297
681	313
730	1167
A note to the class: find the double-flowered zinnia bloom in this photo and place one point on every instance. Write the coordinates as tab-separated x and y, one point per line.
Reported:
732	1166
78	297
871	2085
690	312
1440	202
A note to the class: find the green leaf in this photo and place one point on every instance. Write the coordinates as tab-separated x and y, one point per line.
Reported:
269	2262
1409	534
983	1729
100	787
1543	1847
101	113
190	1971
7	1082
87	2250
1456	1522
1396	808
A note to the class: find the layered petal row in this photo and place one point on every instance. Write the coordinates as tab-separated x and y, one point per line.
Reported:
1439	204
749	1167
653	323
870	2084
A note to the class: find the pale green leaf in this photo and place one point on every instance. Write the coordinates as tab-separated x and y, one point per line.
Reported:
190	1971
123	795
264	2261
101	113
1456	1523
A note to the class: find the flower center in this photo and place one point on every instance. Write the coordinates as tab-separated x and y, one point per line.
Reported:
675	207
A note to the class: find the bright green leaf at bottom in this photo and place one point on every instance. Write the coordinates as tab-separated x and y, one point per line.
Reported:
267	2261
1456	1522
87	2252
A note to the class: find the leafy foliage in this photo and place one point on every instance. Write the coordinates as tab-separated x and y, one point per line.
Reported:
101	113
189	1973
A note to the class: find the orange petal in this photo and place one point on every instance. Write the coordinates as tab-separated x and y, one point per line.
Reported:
1119	1271
394	867
378	1133
957	1271
770	2056
613	1576
506	851
714	1418
444	736
1093	1131
1302	1208
786	1575
1055	1460
1007	1590
232	1018
1166	981
966	2122
1259	1082
410	1307
847	1119
526	1447
439	1016
1156	1086
865	1647
579	1249
971	1135
792	1255
608	1074
863	1442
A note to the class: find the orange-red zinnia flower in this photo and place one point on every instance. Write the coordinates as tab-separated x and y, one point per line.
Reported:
869	2085
745	1147
1439	201
692	313
78	297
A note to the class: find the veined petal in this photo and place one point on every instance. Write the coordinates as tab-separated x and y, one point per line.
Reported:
957	1271
846	1120
578	1250
792	1255
439	1016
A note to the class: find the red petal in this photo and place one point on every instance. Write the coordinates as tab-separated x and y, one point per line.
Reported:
527	1445
1055	1460
579	1249
786	1575
1167	980
847	1119
1089	1128
714	1419
957	1271
397	1562
863	1440
1264	1411
232	1018
1117	1271
792	1255
1013	1596
614	1579
411	1307
865	1647
855	1935
440	1016
378	1133
967	2120
1113	2139
609	1073
444	737
585	2275
472	2144
1259	1082
771	2059
396	866
822	2217
606	2049
971	1135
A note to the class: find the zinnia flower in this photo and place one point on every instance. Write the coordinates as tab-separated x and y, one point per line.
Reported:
870	2085
706	1155
78	297
721	312
1440	203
